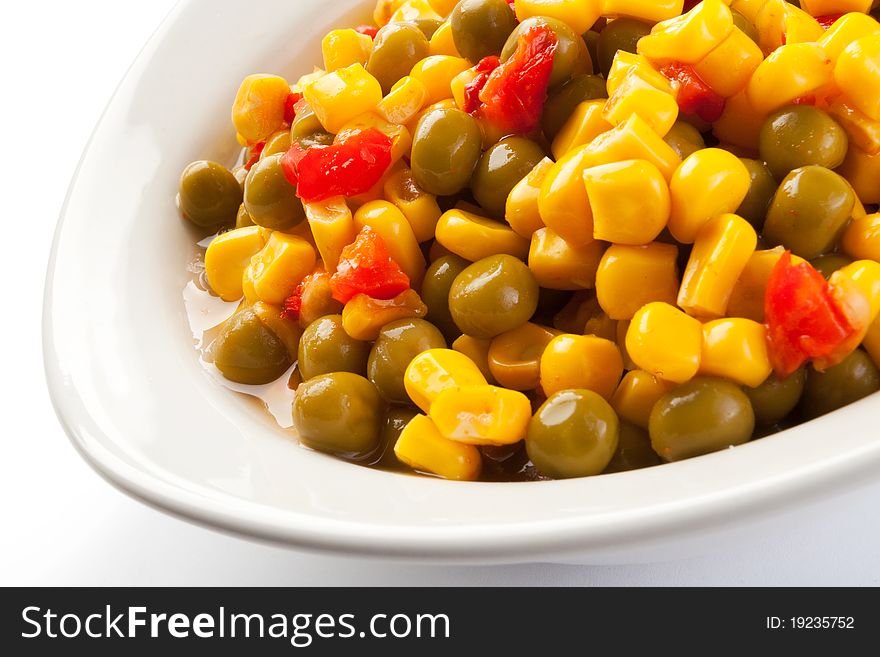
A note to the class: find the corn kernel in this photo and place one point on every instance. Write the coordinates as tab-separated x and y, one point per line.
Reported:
482	415
736	349
748	8
740	123
558	265
392	226
228	256
363	317
857	74
478	351
636	395
406	99
602	326
514	357
791	71
845	30
862	170
633	140
419	207
343	48
411	10
562	201
863	133
338	97
650	11
828	7
657	108
421	447
474	237
581	361
777	22
626	64
585	124
689	37
629	201
303	81
721	251
258	109
459	84
436	73
866	275
861	239
620	340
384	10
287	331
578	14
443	7
730	66
436	370
442	43
709	182
333	228
747	297
277	269
630	277
521	211
664	341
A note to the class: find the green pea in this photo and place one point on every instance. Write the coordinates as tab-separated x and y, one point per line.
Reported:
435	292
774	399
398	343
854	378
325	347
684	139
209	194
247	351
562	103
800	135
269	199
447	145
761	191
620	34
396	49
480	27
500	168
634	450
828	264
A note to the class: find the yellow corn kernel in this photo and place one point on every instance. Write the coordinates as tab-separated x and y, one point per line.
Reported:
401	139
558	265
305	80
829	7
721	251
651	11
521	211
636	395
740	123
748	8
482	415
443	7
666	342
630	277
478	351
406	99
585	124
845	30
421	447
861	239
633	140
629	201
773	21
791	71
581	361
730	66
863	133
689	37
392	226
363	317
578	14
228	256
343	48
708	183
857	74
436	370
515	357
602	326
338	97
384	10
436	73
562	201
866	275
474	237
411	10
658	109
862	170
620	340
442	43
419	207
574	315
871	342
459	84
626	64
258	109
276	270
736	349
333	228
747	297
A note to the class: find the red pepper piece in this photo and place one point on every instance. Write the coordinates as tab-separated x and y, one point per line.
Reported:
256	151
828	21
348	168
290	107
513	96
473	88
292	305
366	267
806	318
370	30
694	96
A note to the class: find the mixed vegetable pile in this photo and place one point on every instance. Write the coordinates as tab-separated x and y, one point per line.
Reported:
518	239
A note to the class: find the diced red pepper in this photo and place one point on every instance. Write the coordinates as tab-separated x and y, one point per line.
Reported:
828	21
473	88
807	318
694	96
290	107
366	267
514	94
349	168
256	151
292	305
370	30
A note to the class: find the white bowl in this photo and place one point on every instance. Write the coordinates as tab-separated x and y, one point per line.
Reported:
129	390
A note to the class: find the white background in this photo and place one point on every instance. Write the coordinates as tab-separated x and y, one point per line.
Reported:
62	524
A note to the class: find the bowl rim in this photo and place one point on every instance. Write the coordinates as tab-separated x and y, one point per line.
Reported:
505	542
